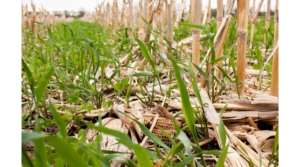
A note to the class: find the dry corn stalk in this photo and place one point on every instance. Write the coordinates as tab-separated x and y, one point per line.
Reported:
130	18
242	23
221	33
115	14
141	22
274	79
252	24
253	18
179	16
267	23
219	23
169	18
196	33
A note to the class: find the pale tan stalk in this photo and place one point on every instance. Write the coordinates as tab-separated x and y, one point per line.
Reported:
196	34
148	10
169	15
107	11
219	22
123	17
253	18
267	21
148	18
141	22
242	22
208	17
33	28
252	24
192	10
205	16
274	79
115	13
179	16
131	18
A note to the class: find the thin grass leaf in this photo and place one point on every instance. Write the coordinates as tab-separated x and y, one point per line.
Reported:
187	109
66	152
250	160
29	136
208	36
213	152
145	74
186	161
222	130
39	147
98	160
59	122
201	72
146	54
219	59
167	135
126	41
26	162
186	142
222	157
29	77
224	73
40	91
195	86
275	147
193	25
131	163
174	150
151	136
143	156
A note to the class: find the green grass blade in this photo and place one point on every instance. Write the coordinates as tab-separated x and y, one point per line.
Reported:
143	156
186	161
29	77
39	147
40	91
222	129
224	73
66	152
219	59
174	150
187	109
26	162
145	73
202	73
146	54
186	142
214	152
222	157
151	136
275	147
59	122
195	86
29	136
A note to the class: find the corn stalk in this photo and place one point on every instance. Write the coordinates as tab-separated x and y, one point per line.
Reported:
252	24
242	23
196	34
267	21
141	22
274	79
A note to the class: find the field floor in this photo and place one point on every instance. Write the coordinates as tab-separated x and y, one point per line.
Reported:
78	75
